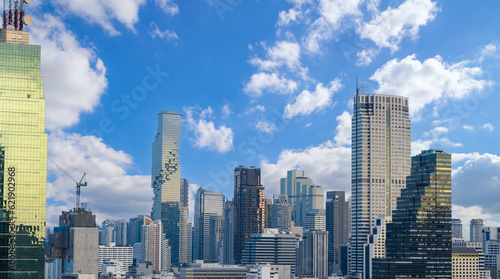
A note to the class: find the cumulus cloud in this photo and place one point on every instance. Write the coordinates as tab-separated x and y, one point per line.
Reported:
287	17
344	127
167	34
265	126
226	111
283	53
75	78
272	83
308	102
251	110
366	56
388	28
468	127
168	6
206	135
490	50
111	191
428	81
104	13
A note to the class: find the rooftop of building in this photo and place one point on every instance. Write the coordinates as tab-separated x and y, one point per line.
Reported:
463	250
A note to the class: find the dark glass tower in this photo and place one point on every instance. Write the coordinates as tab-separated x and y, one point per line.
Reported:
249	208
418	242
337	227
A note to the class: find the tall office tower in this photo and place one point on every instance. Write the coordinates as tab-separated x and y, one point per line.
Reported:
207	204
337	225
476	228
302	194
269	213
23	155
190	241
281	218
107	232
418	241
456	225
381	150
134	230
313	255
249	207
120	232
316	220
155	245
184	202
271	246
184	228
228	245
166	177
75	243
375	248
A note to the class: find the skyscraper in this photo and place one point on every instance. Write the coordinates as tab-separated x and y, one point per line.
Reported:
381	150
166	177
314	255
155	246
337	226
282	214
456	228
208	204
184	192
184	231
476	229
418	241
23	156
228	245
249	207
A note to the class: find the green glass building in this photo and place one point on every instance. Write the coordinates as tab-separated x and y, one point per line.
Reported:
23	158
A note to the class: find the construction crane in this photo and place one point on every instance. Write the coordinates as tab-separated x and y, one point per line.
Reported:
79	184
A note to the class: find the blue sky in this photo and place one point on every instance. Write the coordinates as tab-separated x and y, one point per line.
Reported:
263	83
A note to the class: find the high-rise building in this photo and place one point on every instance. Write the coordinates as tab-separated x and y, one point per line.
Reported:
228	245
134	230
166	177
184	240
316	220
456	225
208	204
184	198
314	255
381	150
155	246
23	156
375	248
476	228
121	232
418	241
249	207
282	213
271	246
269	213
302	194
337	225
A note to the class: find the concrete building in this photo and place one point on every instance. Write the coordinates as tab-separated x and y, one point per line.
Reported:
208	225
155	245
268	271
200	270
134	230
23	154
273	247
282	213
381	150
456	227
313	255
166	179
465	263
112	268
476	228
228	244
337	225
375	247
184	193
185	235
53	268
315	220
124	255
249	207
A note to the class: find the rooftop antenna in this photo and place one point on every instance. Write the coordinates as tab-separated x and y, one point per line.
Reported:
357	88
14	17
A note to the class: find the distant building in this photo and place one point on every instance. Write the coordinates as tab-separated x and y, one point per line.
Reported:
228	245
124	255
249	207
269	213
313	255
282	213
476	228
200	270
134	230
423	219
155	246
456	227
465	263
184	193
375	247
184	236
315	220
271	246
337	225
268	271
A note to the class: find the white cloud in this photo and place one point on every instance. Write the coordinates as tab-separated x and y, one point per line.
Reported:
309	102
283	53
272	83
287	17
166	34
459	157
205	134
75	78
104	13
437	131
251	110
490	50
428	81
168	6
344	133
468	127
366	56
488	127
265	126
226	111
112	192
389	28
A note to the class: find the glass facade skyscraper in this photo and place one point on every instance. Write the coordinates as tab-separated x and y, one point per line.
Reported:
166	177
23	158
418	241
381	152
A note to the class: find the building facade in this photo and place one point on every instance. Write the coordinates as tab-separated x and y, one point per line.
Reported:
184	193
465	263
381	151
249	207
124	255
337	225
155	246
314	255
228	246
282	213
166	177
476	229
456	226
23	157
418	241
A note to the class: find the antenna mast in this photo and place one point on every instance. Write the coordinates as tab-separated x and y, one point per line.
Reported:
14	17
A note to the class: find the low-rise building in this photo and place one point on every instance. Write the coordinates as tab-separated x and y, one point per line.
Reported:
465	263
201	270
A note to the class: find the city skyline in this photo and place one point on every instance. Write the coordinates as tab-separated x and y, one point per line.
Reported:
455	115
